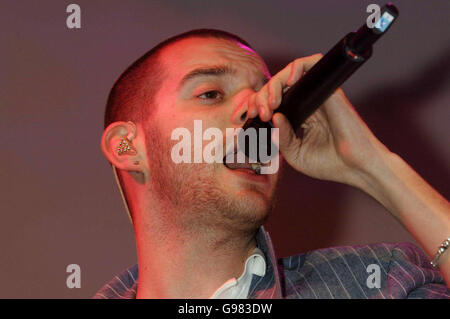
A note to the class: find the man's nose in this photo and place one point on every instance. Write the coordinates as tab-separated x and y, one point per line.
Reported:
239	118
239	115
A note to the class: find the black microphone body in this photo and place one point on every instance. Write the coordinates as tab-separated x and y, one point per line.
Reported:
322	80
303	98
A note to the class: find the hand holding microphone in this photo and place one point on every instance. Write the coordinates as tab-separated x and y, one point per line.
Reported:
310	90
337	145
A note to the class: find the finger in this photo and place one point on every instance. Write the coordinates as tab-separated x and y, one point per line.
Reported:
262	102
259	104
274	88
288	77
289	142
300	66
294	70
252	108
269	97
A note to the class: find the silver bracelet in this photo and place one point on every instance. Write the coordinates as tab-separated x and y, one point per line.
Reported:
440	251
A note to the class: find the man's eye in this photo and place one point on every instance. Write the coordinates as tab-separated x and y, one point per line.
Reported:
210	95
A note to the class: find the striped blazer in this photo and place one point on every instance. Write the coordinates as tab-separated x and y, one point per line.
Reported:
375	271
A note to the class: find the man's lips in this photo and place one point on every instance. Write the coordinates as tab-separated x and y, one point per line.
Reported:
248	171
255	168
232	162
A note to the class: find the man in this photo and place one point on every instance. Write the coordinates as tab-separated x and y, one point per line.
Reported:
198	225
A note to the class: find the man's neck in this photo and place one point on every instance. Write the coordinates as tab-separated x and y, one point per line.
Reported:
189	264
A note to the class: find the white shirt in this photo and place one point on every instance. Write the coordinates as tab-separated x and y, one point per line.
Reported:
238	288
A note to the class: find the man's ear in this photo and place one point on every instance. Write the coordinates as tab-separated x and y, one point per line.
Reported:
123	147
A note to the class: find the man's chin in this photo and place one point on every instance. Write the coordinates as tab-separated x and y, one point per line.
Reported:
252	205
252	197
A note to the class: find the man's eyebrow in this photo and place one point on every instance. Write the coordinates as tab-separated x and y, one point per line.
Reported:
219	70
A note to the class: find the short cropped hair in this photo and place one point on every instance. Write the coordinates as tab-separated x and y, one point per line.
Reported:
131	97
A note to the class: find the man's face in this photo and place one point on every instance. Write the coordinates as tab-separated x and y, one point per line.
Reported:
206	79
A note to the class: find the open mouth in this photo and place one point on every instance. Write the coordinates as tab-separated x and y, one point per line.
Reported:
231	161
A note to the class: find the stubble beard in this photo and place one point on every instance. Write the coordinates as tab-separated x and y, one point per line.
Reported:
191	196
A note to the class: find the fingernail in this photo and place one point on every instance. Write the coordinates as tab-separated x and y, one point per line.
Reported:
262	111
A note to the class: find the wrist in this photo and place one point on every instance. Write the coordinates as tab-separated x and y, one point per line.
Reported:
376	175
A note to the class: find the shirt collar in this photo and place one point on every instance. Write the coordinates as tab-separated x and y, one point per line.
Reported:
266	286
260	278
239	288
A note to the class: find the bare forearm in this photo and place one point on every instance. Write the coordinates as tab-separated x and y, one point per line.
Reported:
419	207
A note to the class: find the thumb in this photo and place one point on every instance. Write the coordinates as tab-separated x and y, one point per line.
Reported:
289	141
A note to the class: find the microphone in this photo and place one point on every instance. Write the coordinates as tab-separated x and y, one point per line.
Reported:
319	83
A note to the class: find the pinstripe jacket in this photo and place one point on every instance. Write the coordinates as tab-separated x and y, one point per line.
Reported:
375	271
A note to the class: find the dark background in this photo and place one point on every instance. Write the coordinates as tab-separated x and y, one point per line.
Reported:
59	203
